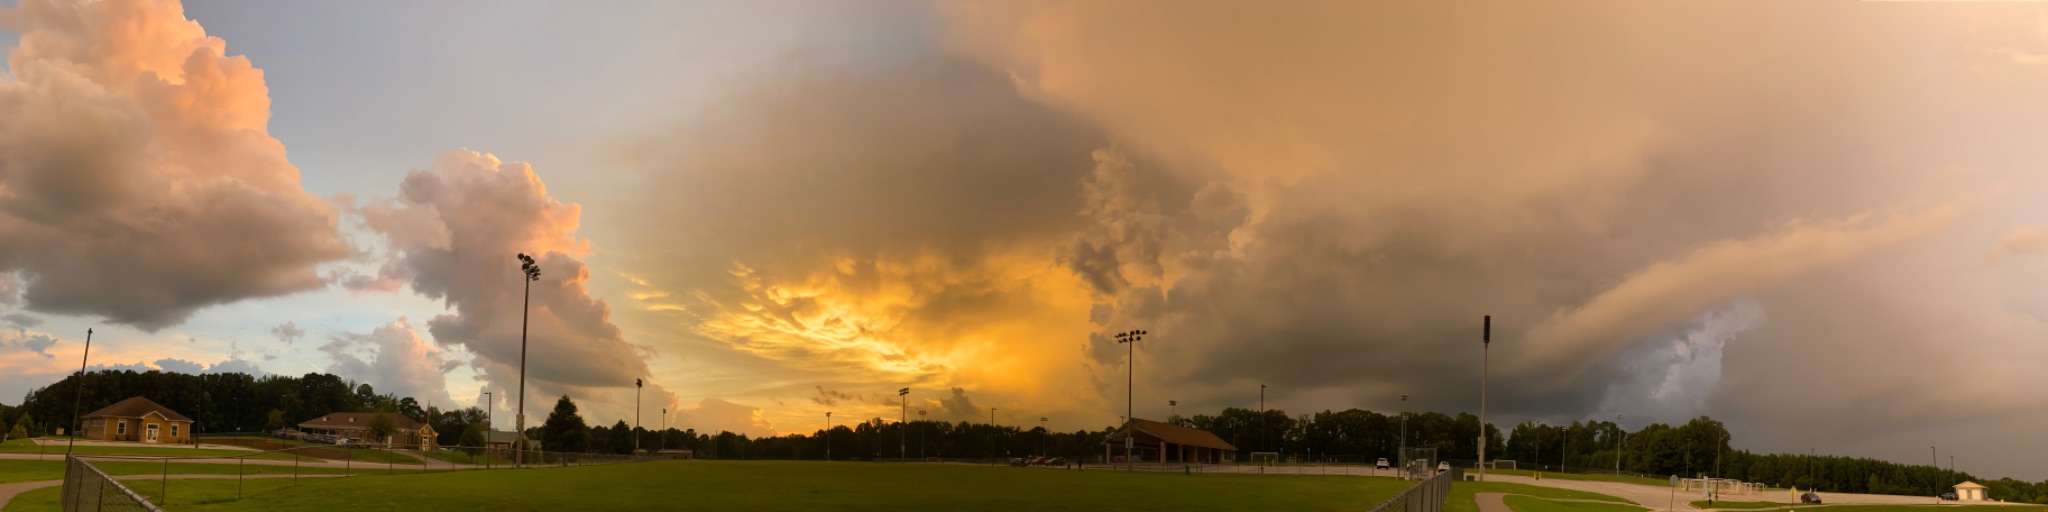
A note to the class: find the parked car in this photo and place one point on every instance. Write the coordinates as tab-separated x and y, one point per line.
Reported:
1382	465
1019	462
1948	496
1809	498
1443	466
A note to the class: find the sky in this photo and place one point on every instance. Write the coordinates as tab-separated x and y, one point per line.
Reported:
1815	221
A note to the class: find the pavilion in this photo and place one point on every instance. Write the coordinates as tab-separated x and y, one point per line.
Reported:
1165	442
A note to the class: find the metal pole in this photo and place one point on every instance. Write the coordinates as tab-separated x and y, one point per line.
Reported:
239	463
1402	458
79	396
1486	344
490	423
903	409
164	484
531	272
828	436
636	415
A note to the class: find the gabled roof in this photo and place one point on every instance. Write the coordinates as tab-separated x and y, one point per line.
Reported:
1170	433
1970	485
358	421
136	407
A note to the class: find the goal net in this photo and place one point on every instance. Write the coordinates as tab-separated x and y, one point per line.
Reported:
1266	458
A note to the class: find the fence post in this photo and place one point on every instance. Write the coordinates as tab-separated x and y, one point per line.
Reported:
164	484
295	470
239	464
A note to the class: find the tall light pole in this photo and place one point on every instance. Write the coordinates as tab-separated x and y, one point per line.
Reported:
994	434
664	429
78	396
1042	433
1565	452
921	426
532	272
1174	408
903	445
1262	416
828	436
1619	444
1130	390
637	384
1403	456
1485	344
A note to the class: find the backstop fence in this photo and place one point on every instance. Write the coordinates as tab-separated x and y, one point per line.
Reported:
86	488
1426	496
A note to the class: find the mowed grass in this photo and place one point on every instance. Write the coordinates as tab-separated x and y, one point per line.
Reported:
788	485
182	493
57	451
1463	493
1747	505
1596	477
35	470
1528	504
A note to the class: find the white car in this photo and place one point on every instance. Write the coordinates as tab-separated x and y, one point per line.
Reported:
1443	466
1382	464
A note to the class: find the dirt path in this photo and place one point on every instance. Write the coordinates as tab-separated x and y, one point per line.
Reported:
9	491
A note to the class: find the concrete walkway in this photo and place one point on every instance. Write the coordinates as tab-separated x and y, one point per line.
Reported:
9	491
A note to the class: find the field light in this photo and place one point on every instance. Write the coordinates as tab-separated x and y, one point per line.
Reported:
903	444
1131	387
532	272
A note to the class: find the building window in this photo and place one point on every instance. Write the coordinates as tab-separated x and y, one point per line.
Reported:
174	430
121	428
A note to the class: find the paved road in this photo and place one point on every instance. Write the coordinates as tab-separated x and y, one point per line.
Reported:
9	491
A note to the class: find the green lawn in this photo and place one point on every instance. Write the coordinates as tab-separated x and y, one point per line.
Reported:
1659	482
34	470
183	493
1747	505
780	485
461	457
1462	494
57	451
1528	504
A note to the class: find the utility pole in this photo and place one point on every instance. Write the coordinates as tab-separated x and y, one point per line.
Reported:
1485	344
531	270
79	396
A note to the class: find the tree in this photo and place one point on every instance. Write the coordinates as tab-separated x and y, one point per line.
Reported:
621	439
25	423
18	432
273	421
564	430
476	435
381	427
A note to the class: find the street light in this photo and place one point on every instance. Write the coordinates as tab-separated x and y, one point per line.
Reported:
79	396
637	383
1485	343
1130	388
903	445
531	271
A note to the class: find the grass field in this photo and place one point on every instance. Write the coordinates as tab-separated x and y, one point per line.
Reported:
1460	499
183	493
57	451
460	457
1746	505
33	470
779	485
1528	504
1659	482
315	450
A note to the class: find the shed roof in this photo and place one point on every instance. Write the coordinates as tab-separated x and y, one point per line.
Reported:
358	420
1970	485
135	407
1170	433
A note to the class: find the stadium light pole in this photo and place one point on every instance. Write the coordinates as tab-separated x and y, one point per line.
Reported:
1262	417
1042	432
903	445
1619	444
78	395
664	429
1485	346
828	436
1173	408
531	271
993	435
1130	389
1403	456
637	384
921	426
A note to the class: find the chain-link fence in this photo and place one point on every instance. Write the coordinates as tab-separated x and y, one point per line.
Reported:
1427	496
86	488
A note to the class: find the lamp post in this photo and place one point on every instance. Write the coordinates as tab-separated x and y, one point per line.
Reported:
1403	456
637	384
531	271
828	436
1130	388
78	396
903	445
1485	344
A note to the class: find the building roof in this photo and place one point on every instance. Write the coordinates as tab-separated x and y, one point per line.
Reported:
135	407
358	420
1170	433
1970	485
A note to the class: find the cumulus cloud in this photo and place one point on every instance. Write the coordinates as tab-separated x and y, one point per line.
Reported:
393	358
713	415
38	343
831	397
179	366
287	332
10	289
453	230
21	320
137	179
2024	240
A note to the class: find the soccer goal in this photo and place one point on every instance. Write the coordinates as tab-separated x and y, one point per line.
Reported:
1500	464
1266	458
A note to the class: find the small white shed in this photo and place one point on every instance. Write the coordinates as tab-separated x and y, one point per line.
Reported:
1970	491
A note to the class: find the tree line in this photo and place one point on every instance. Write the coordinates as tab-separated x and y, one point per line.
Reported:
235	402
